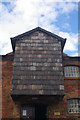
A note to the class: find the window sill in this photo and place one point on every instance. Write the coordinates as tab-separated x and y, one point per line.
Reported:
72	78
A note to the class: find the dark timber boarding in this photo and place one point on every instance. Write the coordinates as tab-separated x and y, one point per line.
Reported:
38	66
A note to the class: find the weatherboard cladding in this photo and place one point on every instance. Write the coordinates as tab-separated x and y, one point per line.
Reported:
37	65
13	40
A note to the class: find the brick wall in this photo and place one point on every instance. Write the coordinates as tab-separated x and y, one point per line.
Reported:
72	90
71	85
8	106
0	86
57	109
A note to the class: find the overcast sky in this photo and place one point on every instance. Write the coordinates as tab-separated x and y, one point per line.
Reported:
19	16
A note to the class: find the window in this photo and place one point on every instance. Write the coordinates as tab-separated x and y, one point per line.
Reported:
71	71
74	106
24	113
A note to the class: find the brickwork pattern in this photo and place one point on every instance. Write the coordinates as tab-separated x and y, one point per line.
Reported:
0	86
8	105
57	109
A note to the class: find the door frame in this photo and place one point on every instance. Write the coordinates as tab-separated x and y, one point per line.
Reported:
33	106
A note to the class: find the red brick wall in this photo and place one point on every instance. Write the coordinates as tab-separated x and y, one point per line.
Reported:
0	86
7	102
71	85
12	110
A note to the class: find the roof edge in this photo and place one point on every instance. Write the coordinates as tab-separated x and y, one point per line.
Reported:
13	39
33	30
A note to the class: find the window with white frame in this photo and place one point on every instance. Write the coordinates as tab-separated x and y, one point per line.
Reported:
74	106
71	71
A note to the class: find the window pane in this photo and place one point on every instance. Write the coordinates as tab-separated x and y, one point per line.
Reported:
74	106
24	113
71	71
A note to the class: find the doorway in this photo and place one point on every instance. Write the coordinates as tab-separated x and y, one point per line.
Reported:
40	112
34	112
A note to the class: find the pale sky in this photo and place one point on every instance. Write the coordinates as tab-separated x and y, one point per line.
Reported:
19	16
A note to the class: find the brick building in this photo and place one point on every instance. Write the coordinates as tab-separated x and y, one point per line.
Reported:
39	81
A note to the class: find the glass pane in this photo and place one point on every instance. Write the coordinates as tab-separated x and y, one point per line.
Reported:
74	106
24	112
71	71
72	110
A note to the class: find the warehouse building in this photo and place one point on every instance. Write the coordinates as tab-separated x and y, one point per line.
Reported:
39	81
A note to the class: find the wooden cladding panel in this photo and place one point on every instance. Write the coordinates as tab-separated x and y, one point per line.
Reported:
38	65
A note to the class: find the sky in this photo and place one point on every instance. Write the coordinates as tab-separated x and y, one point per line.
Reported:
58	16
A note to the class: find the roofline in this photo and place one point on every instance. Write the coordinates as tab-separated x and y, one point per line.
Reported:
63	40
37	28
73	57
